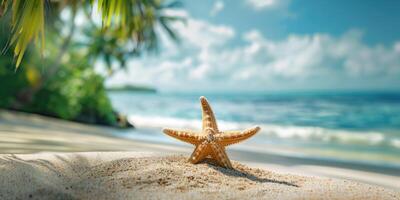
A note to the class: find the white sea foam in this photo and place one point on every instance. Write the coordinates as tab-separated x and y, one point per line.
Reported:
395	143
276	131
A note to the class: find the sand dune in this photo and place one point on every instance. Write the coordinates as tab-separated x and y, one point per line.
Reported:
124	175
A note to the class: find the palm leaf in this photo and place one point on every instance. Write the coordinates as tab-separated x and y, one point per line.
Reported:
27	24
131	20
3	7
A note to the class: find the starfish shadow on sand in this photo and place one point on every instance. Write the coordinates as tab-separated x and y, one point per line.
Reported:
243	174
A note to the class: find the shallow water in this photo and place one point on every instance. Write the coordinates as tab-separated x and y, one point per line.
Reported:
357	126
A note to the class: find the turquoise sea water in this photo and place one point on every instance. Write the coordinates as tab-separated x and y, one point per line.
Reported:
361	126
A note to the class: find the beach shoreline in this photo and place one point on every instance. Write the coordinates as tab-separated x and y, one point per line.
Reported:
22	133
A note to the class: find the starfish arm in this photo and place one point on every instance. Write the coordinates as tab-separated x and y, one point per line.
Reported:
219	154
208	115
231	137
200	152
183	135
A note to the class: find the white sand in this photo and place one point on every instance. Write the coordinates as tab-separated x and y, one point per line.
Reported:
109	174
118	175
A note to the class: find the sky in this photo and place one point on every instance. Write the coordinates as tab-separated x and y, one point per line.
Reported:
273	45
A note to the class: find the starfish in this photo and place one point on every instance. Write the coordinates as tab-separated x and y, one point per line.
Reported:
210	142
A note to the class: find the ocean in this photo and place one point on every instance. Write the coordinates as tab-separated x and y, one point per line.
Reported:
349	126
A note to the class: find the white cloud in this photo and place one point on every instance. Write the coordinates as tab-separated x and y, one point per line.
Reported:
201	34
217	7
207	60
267	4
178	63
176	13
318	55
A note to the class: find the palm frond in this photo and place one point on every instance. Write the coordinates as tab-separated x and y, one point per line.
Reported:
114	9
131	21
3	7
27	25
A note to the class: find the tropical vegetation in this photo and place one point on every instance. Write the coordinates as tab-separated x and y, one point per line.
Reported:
55	75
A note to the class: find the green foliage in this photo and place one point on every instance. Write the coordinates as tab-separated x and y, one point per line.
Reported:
60	80
129	31
95	104
132	21
27	24
10	82
75	92
58	99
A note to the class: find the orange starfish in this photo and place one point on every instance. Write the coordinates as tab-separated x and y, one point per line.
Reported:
210	141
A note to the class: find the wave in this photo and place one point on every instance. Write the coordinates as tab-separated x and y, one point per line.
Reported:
372	138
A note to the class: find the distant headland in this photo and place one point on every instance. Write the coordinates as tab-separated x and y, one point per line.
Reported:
133	88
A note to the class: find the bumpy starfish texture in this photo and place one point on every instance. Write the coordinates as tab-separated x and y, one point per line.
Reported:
210	142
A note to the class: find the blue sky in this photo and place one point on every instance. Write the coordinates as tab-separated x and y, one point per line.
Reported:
264	45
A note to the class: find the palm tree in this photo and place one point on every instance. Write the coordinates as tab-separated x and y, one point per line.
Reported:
62	82
130	21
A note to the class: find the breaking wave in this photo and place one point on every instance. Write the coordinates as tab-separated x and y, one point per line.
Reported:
317	134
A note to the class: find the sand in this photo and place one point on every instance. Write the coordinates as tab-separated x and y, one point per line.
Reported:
34	165
138	175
